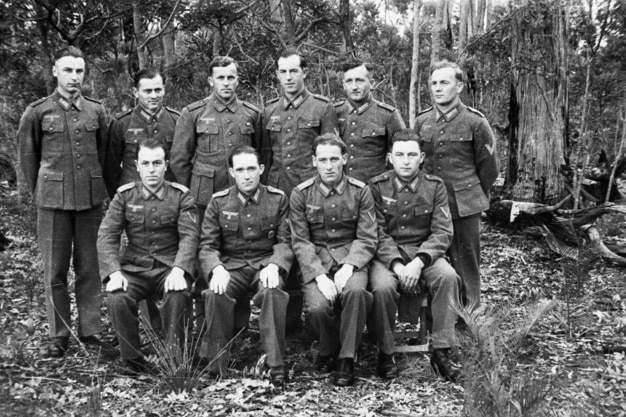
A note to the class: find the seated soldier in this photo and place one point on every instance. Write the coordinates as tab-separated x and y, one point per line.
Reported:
245	246
159	218
414	232
333	228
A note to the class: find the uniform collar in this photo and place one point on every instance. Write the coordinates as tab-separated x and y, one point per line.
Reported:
148	117
326	191
451	114
408	186
295	103
221	105
360	108
247	199
65	103
148	194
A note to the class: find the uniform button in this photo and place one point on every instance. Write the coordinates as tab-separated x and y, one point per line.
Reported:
288	168
352	145
289	118
77	143
78	167
351	156
249	228
230	133
248	215
441	131
406	202
288	130
228	120
288	143
334	218
333	230
77	131
404	215
350	169
135	141
440	143
440	156
353	123
230	144
460	138
50	129
352	134
426	211
153	221
402	227
156	130
75	120
334	205
153	209
439	168
288	155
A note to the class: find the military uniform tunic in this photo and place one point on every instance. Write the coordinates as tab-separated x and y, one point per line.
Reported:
129	128
206	134
66	162
289	129
367	131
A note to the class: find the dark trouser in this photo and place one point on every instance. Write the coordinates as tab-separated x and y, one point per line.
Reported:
219	313
443	285
65	234
465	256
339	326
123	310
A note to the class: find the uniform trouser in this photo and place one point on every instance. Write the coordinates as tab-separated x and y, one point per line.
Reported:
465	256
65	234
123	310
219	313
442	283
339	326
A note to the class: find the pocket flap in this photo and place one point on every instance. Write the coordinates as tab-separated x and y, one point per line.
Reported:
466	185
52	125
203	170
308	124
52	176
373	131
209	128
461	138
246	129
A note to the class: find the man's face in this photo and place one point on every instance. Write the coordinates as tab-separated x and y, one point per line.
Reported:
357	83
406	158
69	72
291	75
151	165
246	171
149	93
224	81
329	163
445	87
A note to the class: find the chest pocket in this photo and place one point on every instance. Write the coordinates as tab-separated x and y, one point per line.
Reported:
274	126
308	124
349	217
390	208
460	138
168	218
230	225
134	218
52	125
207	128
246	129
135	135
373	131
314	215
92	125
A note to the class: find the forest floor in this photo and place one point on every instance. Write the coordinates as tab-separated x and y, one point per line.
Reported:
571	361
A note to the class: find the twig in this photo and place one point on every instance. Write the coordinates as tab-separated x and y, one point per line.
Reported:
619	154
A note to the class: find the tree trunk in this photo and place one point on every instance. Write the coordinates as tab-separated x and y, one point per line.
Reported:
290	29
538	92
466	24
168	39
415	60
440	29
276	11
346	23
142	55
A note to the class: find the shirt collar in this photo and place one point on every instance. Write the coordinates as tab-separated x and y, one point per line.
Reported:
148	194
295	103
338	188
451	114
221	105
246	199
408	186
365	104
66	104
148	117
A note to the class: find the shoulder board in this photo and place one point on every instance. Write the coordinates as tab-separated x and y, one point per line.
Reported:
306	184
252	106
38	102
126	187
93	99
433	178
123	113
386	106
275	190
476	111
180	187
274	100
196	105
171	110
380	178
222	193
356	182
323	98
340	103
425	110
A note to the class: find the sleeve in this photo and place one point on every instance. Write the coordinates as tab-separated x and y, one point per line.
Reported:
387	250
282	252
265	147
183	148
329	120
188	232
109	236
310	264
29	147
210	238
364	246
441	230
485	155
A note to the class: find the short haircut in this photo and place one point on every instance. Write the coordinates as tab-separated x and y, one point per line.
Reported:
244	149
152	143
68	51
347	66
291	52
444	63
148	74
329	139
406	135
222	61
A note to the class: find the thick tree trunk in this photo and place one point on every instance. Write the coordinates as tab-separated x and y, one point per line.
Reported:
440	29
290	28
414	86
169	53
142	55
346	24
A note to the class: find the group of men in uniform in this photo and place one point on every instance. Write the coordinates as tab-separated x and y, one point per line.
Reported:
251	200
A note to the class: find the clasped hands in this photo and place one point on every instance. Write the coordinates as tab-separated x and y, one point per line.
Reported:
408	275
329	288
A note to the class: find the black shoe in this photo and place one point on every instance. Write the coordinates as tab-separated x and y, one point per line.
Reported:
95	340
326	364
445	364
345	375
140	365
278	375
387	368
58	347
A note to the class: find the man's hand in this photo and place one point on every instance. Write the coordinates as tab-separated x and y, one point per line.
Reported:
411	275
342	276
327	287
398	268
219	280
175	281
270	276
117	281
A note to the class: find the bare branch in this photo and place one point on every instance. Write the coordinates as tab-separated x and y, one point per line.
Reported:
308	28
163	27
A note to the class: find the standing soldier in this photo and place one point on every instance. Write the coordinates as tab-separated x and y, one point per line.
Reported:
65	159
333	228
366	125
246	246
460	148
149	119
